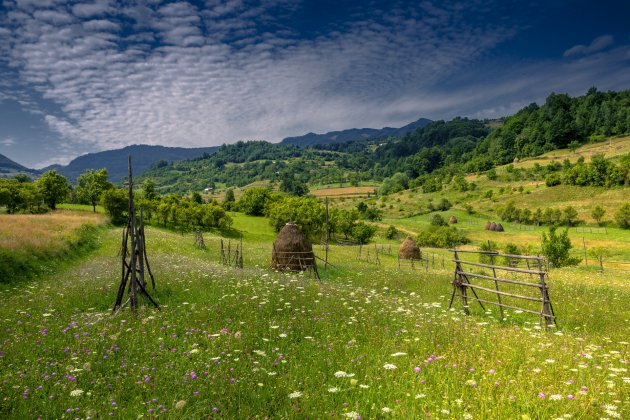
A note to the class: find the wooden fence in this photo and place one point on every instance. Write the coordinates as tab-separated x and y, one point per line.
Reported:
304	261
367	254
521	279
425	261
590	229
232	256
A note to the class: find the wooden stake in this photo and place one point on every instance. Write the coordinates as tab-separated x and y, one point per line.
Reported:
327	235
585	256
496	286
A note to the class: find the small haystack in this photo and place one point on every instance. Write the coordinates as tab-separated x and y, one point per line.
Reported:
452	220
493	227
516	160
488	225
291	250
499	227
409	250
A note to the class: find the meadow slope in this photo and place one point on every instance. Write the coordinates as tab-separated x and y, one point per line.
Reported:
366	341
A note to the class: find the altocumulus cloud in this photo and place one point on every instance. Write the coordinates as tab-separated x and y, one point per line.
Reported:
204	73
182	74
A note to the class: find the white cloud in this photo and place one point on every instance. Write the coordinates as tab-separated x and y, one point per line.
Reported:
598	44
8	141
87	10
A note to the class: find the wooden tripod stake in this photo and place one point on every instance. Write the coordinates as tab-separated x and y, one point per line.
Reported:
134	259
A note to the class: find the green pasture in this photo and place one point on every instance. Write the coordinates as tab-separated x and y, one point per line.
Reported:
366	341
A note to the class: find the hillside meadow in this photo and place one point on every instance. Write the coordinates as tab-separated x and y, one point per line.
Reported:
33	244
366	341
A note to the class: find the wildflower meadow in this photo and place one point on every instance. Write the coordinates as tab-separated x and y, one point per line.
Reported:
366	341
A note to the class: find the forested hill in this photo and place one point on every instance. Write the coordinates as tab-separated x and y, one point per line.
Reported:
354	134
561	120
116	160
441	149
9	167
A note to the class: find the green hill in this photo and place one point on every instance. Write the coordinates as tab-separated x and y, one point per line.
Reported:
428	157
116	160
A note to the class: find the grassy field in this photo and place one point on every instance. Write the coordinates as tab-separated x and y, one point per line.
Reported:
366	341
344	191
31	244
610	148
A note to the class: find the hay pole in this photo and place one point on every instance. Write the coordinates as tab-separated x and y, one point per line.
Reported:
134	270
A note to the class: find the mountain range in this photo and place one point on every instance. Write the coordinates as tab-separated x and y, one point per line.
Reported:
10	168
144	155
115	161
354	134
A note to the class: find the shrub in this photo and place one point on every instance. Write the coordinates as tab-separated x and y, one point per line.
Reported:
391	232
442	237
511	249
598	214
373	214
438	220
556	248
443	205
552	180
622	217
115	202
363	232
489	246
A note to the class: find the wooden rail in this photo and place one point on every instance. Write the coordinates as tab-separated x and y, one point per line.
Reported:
462	284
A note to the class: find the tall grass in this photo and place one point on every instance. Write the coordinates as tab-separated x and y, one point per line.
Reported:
369	341
34	244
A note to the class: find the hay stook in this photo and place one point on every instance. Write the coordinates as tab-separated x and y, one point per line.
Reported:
452	220
292	251
409	250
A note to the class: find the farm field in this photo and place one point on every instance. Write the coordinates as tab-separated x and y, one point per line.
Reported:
366	341
344	191
32	244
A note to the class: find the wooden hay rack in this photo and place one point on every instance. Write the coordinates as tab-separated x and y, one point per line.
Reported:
529	278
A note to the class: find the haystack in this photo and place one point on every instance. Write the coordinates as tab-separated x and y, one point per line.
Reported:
488	225
499	227
291	250
409	250
493	227
452	220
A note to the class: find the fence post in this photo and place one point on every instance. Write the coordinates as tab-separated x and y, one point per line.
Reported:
496	286
460	284
546	310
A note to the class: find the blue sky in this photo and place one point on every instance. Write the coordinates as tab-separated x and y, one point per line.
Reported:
85	76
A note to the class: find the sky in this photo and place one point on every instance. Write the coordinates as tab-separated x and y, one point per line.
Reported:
86	76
